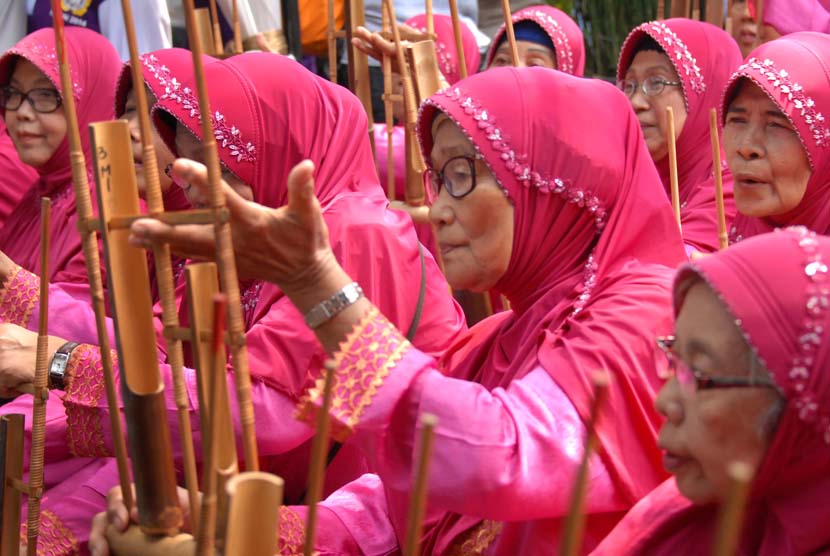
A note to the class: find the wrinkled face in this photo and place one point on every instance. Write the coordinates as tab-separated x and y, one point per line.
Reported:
163	155
767	160
744	28
474	233
651	110
706	430
35	135
530	53
189	146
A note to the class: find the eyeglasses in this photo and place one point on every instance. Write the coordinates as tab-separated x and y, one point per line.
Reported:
44	101
651	86
695	380
457	176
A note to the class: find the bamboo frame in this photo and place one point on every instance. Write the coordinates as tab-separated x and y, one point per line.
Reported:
332	35
730	520
661	9
11	431
253	521
389	109
723	238
237	29
204	27
430	18
672	144
163	264
83	203
359	63
417	502
759	19
459	40
423	66
508	28
217	29
714	12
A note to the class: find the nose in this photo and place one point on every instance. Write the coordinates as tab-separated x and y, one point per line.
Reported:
751	143
669	402
25	112
639	101
135	131
441	212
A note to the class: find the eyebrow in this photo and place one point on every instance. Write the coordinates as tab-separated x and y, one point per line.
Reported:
742	110
38	81
450	152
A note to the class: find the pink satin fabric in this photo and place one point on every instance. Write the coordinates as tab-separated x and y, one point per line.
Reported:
18	177
448	59
802	93
563	31
776	285
792	16
705	57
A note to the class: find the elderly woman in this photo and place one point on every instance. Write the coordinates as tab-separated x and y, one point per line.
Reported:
683	64
751	385
776	136
568	222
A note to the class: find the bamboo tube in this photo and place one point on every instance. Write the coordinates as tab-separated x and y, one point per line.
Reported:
41	390
359	81
729	17
163	265
696	10
511	36
253	522
730	521
317	470
237	29
661	9
217	30
430	20
759	6
672	143
417	502
723	238
216	372
388	109
459	41
83	202
204	28
11	431
574	528
332	42
224	254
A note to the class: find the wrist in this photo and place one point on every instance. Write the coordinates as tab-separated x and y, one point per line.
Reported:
316	283
59	364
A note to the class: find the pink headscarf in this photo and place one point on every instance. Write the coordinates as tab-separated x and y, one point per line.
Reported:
269	113
594	239
563	32
704	57
94	65
777	287
445	45
792	16
794	71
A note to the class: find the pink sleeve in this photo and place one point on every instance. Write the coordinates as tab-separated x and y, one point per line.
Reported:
525	441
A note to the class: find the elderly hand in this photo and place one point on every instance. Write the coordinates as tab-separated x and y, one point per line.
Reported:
18	354
376	46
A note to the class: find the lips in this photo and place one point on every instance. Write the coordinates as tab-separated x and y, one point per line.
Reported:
749	180
26	136
673	462
447	248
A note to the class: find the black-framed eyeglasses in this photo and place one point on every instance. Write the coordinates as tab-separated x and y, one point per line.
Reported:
42	100
457	176
695	380
651	86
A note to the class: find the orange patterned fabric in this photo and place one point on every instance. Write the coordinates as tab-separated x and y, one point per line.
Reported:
55	539
292	533
18	297
364	360
476	541
84	392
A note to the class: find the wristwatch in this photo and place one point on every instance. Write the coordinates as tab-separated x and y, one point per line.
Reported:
57	369
326	310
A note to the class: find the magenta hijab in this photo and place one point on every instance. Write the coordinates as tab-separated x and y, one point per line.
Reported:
94	65
563	31
792	16
778	288
445	45
594	249
794	71
704	57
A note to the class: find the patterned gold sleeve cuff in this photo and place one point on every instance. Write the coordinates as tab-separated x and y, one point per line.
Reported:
364	360
18	297
83	401
292	533
54	538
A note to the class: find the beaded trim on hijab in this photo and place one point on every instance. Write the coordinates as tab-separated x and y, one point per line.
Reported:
43	56
227	137
564	52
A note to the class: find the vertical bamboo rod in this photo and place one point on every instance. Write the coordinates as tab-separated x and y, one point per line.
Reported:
332	42
508	28
83	202
672	144
661	9
224	254
41	390
217	30
759	5
723	238
430	20
417	502
388	109
459	41
730	521
237	29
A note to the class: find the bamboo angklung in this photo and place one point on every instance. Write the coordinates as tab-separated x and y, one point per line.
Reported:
163	265
511	35
332	35
216	28
83	203
224	254
253	521
759	20
359	81
672	144
430	17
417	502
574	526
723	237
661	9
237	29
388	110
730	521
41	388
459	40
11	432
317	468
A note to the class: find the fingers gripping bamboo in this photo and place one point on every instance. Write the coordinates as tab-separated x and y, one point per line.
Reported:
723	238
511	36
730	521
459	41
41	391
224	256
417	503
672	144
83	204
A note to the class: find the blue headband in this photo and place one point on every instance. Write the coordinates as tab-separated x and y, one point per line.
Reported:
529	31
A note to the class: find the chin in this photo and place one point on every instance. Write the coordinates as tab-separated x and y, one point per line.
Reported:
696	489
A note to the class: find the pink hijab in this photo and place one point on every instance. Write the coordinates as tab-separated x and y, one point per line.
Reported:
794	72
792	16
594	249
563	31
777	287
18	177
94	64
269	113
704	57
445	45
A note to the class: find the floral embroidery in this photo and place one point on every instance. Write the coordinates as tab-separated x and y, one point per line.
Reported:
45	57
364	360
84	390
54	538
477	540
249	298
18	297
804	105
292	533
564	52
588	283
